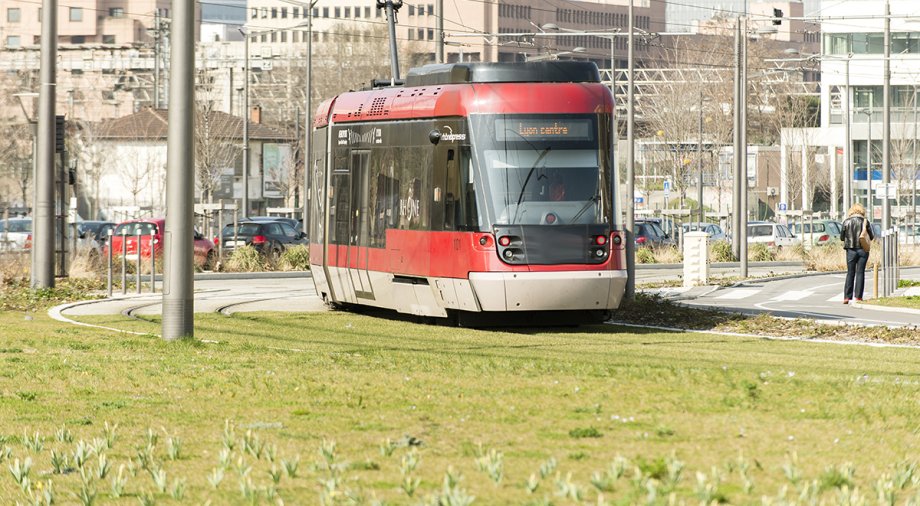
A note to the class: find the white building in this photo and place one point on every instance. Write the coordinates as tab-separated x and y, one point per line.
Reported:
851	94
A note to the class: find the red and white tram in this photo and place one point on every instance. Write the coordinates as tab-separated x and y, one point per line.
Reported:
474	190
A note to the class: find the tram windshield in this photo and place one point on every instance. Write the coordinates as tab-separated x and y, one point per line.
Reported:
540	170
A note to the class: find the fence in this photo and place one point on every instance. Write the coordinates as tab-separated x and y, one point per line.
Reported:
110	256
890	270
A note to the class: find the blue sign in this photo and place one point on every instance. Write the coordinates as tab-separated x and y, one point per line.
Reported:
640	200
667	186
781	206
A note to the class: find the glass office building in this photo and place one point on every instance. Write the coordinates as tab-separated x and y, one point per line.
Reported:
682	15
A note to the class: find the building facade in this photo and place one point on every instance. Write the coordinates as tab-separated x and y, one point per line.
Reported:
686	16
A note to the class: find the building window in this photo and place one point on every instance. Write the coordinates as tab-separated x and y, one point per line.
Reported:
431	10
421	10
274	13
283	37
284	13
411	34
117	12
367	12
76	14
264	12
338	12
357	12
13	15
347	12
421	34
254	13
379	13
430	34
295	36
78	39
13	41
108	39
295	12
411	10
325	12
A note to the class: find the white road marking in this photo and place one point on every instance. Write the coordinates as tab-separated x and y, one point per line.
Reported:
792	295
738	293
836	298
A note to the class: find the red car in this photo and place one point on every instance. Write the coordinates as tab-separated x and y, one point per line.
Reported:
205	254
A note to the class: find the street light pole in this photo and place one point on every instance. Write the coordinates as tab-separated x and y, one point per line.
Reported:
743	211
43	207
699	161
736	138
630	160
886	121
308	127
245	123
847	156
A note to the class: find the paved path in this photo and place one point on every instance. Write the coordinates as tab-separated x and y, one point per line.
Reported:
653	273
817	297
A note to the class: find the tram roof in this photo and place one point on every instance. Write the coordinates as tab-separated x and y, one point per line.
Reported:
462	89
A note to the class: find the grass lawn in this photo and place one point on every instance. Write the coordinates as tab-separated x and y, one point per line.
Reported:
909	301
379	410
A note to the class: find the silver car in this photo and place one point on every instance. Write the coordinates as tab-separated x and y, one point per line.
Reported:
15	234
774	235
715	232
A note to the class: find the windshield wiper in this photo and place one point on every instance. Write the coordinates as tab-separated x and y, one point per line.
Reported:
593	200
517	207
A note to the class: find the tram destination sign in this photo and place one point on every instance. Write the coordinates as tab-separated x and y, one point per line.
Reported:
539	129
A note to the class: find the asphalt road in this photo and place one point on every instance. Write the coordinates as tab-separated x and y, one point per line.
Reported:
818	297
652	273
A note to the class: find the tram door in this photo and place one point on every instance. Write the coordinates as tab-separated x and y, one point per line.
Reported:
340	212
359	238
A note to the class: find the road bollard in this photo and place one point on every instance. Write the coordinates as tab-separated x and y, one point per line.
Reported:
124	263
875	282
138	273
153	264
220	231
109	254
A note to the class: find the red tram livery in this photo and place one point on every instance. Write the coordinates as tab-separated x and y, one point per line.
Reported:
477	191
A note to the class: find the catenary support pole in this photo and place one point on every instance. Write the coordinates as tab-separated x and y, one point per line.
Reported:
848	146
308	127
886	119
179	269
630	199
439	37
392	7
699	163
246	124
736	138
43	206
743	209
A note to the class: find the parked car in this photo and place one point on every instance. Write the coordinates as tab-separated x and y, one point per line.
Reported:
270	238
715	232
817	232
774	235
205	254
293	222
93	235
649	233
16	234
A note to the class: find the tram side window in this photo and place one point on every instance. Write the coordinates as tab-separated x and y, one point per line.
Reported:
460	201
469	219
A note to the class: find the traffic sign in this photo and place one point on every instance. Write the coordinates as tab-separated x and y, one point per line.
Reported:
667	188
781	206
889	191
640	200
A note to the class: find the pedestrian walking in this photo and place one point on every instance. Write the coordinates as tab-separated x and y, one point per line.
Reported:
857	237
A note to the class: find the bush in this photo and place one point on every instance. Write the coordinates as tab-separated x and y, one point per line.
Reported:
668	255
245	259
296	258
645	256
760	252
721	251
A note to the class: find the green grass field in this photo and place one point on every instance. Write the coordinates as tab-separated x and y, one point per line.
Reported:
909	301
379	410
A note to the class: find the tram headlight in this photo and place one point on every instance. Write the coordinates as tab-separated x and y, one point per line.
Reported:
617	240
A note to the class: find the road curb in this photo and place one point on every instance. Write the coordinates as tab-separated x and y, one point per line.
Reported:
785	277
888	309
718	265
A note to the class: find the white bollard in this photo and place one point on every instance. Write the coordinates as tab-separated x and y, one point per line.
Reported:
696	258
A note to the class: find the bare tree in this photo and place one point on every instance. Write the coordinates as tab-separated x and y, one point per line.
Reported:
216	146
93	159
15	166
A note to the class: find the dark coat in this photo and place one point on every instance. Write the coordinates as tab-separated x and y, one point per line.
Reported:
852	227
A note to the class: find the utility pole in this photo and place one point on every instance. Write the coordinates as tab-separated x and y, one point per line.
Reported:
630	161
743	210
736	141
246	123
847	157
179	269
308	125
156	58
43	206
886	121
699	161
439	15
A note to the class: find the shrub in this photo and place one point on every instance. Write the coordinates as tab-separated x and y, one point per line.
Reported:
668	255
760	252
245	259
645	256
721	251
296	258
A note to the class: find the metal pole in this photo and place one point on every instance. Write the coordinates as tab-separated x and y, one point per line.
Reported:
153	263
699	161
246	122
743	246
156	58
308	128
109	273
617	221
869	199
139	262
220	232
736	138
886	120
391	21
631	161
848	147
439	38
124	262
43	206
913	178
178	287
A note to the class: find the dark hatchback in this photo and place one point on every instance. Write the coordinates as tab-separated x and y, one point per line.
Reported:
649	233
269	238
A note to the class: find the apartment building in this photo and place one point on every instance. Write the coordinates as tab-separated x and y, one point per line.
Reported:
475	30
82	22
685	16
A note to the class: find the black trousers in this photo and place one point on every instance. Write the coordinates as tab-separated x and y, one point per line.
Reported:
856	273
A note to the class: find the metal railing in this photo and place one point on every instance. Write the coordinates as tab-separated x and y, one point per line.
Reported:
890	270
